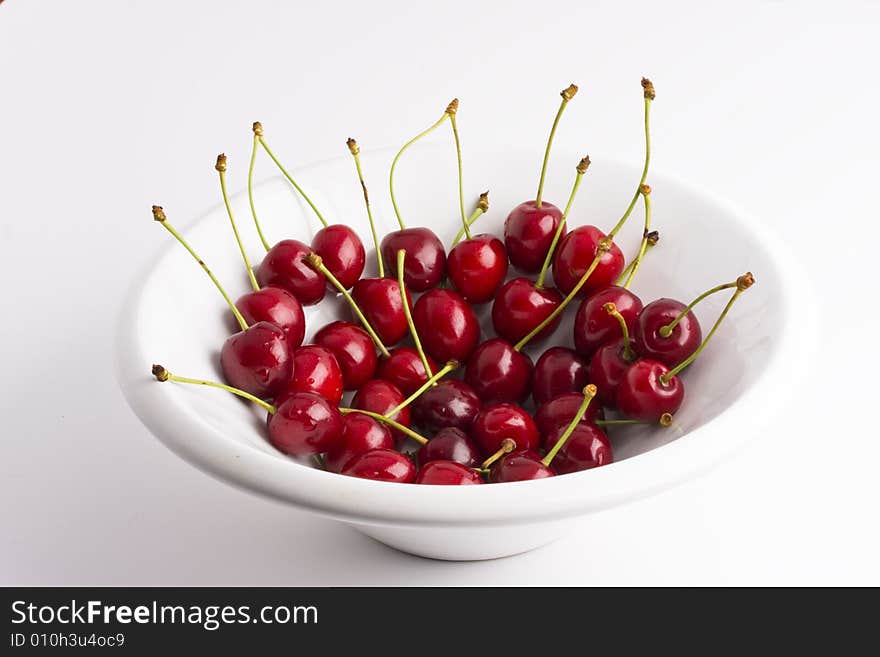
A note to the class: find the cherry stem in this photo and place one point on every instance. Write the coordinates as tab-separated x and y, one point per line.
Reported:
666	330
258	130
507	446
162	374
743	283
649	97
315	262
446	115
589	392
159	215
443	371
401	255
291	180
220	166
645	191
665	421
581	170
567	94
387	420
464	222
611	309
355	152
482	208
651	240
603	247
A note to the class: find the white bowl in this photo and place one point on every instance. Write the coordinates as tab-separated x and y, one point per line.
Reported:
174	316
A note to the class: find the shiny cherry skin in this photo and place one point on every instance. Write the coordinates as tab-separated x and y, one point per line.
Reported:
354	351
258	360
404	368
380	396
520	306
278	307
642	396
284	266
477	267
561	410
382	465
448	473
607	367
574	256
593	326
305	424
495	423
450	445
447	325
342	252
519	466
315	369
449	404
425	263
360	434
528	234
681	343
558	370
380	302
587	447
499	373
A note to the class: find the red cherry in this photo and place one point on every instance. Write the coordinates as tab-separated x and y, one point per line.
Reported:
284	266
257	360
448	473
382	465
561	410
593	326
499	373
404	368
380	302
643	396
354	351
278	307
425	262
558	370
477	267
380	396
496	423
528	233
360	434
520	306
607	367
519	466
449	404
576	253
305	424
681	343
447	325
587	447
315	369
342	252
450	444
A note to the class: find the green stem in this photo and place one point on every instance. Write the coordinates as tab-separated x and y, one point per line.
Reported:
482	208
159	215
589	393
651	241
401	255
665	421
666	331
221	169
443	371
567	95
355	152
162	374
581	170
251	186
460	174
292	181
387	420
643	245
635	197
611	309
507	446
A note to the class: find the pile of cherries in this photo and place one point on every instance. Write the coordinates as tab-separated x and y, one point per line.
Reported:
624	356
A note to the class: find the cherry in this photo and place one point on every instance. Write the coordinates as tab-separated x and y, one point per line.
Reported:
449	404
450	444
611	361
558	370
673	348
447	325
342	252
360	434
381	303
560	410
575	255
477	267
644	394
404	368
519	306
315	369
587	447
382	465
425	262
305	424
381	397
278	307
354	351
530	226
594	327
496	423
498	372
519	466
448	473
284	266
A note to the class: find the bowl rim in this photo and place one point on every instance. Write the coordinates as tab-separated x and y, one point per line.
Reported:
382	503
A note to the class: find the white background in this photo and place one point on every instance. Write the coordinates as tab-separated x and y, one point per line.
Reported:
107	107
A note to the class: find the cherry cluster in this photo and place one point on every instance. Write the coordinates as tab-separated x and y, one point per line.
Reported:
624	356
